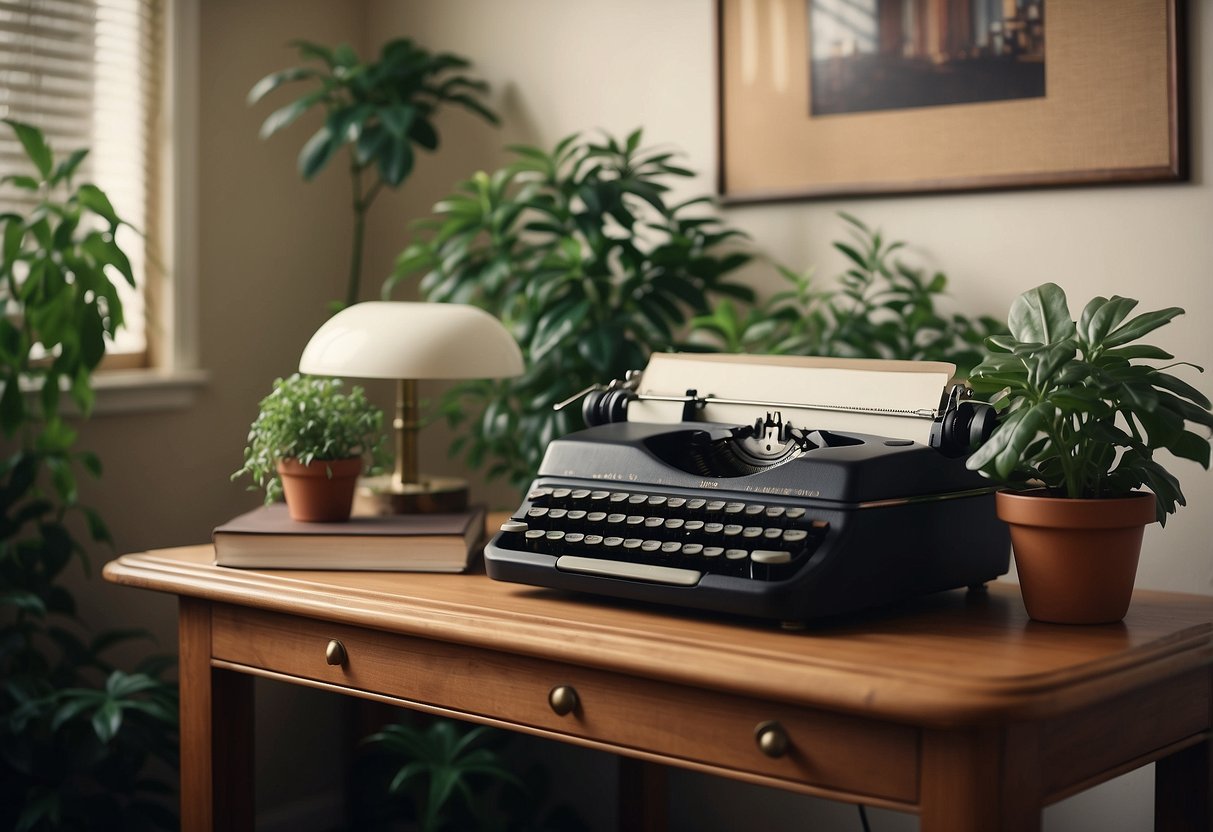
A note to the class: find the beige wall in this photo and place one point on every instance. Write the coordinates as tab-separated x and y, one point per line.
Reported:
273	250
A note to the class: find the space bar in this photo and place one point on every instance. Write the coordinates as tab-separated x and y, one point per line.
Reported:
626	569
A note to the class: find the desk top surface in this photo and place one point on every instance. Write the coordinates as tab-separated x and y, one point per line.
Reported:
946	658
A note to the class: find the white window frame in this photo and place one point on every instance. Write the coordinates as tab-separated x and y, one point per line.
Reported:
176	377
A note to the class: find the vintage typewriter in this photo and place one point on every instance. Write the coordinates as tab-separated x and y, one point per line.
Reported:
797	488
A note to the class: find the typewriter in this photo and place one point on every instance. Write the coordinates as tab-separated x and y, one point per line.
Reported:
797	488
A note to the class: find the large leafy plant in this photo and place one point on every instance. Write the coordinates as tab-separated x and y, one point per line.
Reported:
883	307
382	111
310	418
76	733
1080	414
579	253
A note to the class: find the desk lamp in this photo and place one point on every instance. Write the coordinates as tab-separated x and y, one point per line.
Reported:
408	342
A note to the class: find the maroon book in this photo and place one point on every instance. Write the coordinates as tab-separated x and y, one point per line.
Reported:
267	538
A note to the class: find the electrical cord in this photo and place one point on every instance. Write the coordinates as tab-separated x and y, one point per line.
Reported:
863	817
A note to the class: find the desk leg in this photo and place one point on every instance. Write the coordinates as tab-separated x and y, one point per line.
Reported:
643	796
1182	786
216	731
983	779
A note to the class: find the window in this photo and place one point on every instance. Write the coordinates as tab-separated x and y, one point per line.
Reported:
89	74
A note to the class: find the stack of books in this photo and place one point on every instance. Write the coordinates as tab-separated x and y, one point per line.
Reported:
267	538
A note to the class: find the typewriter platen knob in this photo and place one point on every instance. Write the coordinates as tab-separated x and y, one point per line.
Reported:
964	425
772	739
602	407
563	699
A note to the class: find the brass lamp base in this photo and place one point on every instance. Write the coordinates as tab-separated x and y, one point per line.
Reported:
378	496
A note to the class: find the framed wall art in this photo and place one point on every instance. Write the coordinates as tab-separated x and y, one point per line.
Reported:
842	97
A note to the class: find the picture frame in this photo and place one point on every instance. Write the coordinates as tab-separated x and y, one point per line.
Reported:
919	96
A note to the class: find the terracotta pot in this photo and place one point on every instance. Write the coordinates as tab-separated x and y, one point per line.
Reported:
1077	559
313	495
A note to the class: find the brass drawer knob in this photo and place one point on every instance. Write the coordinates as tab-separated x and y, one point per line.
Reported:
335	653
772	739
563	699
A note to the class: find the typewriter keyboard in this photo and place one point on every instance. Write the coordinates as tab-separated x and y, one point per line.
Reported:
662	538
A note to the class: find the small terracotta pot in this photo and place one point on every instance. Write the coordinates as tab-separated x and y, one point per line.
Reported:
1077	559
322	491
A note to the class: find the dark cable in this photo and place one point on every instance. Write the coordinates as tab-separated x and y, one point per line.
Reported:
863	817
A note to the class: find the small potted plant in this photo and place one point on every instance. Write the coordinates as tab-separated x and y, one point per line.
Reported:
1081	420
309	443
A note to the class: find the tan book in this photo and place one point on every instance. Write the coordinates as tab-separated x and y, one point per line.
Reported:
267	538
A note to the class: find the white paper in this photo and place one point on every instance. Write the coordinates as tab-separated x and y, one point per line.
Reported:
795	382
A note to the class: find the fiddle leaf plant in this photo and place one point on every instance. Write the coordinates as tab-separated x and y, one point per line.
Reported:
310	418
76	732
1080	415
382	111
580	254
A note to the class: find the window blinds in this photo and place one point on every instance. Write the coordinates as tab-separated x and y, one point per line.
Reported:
87	73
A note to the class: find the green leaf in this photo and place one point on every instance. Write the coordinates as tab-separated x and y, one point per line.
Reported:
288	114
12	408
1180	388
396	161
1041	315
398	119
423	133
95	200
107	721
1100	316
19	180
274	80
1189	445
35	145
317	152
1141	325
1138	351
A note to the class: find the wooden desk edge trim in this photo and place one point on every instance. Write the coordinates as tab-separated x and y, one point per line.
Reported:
572	739
825	684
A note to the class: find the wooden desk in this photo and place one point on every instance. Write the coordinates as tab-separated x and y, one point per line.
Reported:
955	706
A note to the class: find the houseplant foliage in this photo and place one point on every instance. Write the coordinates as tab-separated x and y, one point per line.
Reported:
882	307
76	733
312	420
446	775
382	111
581	256
1082	419
1080	414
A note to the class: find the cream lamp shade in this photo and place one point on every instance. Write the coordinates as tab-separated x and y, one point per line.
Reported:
407	342
383	339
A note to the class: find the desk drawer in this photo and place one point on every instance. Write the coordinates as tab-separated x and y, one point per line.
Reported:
715	731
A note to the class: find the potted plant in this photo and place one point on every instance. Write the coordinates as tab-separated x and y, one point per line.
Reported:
1081	421
382	110
309	443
